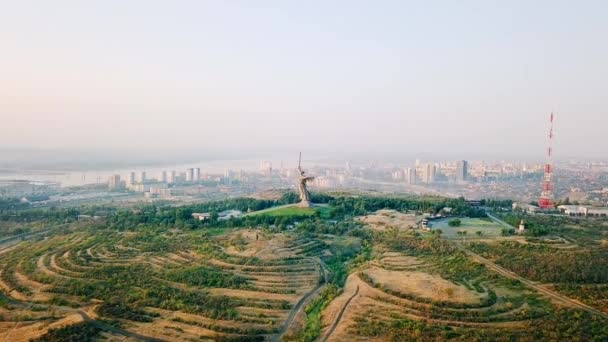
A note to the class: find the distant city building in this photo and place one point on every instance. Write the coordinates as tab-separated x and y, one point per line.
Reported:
398	175
142	177
18	187
324	182
160	189
163	177
139	187
428	173
266	167
189	175
197	174
229	174
114	182
462	171
171	177
132	178
411	175
579	210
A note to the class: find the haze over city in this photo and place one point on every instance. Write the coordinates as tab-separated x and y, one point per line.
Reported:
192	80
303	171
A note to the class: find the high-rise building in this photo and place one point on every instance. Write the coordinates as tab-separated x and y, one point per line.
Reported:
114	182
266	167
171	177
398	175
428	173
132	178
197	174
163	177
462	171
189	175
142	177
411	175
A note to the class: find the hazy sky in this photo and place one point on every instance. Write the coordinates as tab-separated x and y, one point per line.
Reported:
457	78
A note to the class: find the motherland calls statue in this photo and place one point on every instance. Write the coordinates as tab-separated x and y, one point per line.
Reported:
305	201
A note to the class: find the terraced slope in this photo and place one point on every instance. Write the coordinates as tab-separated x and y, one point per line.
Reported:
399	288
170	285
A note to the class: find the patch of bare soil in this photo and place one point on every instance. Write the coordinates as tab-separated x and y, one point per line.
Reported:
25	331
386	219
36	287
423	285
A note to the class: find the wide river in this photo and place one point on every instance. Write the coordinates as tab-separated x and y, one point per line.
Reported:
82	177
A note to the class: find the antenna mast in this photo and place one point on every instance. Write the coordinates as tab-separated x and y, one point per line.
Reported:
546	197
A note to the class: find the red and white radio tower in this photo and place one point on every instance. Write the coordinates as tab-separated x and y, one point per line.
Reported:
546	196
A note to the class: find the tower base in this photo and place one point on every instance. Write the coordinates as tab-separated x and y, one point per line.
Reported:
305	204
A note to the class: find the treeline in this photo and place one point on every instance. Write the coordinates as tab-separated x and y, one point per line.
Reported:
206	276
339	208
561	325
10	203
355	206
546	264
585	231
126	219
124	284
496	204
120	310
80	332
54	214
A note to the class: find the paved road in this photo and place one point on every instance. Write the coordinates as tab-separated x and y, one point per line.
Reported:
499	221
300	305
537	287
339	318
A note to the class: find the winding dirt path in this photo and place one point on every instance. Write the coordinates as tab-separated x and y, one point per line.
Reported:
300	305
339	317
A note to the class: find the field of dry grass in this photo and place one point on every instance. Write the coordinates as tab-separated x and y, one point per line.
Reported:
385	219
54	282
397	287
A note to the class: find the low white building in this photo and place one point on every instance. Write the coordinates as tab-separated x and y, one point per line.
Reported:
529	208
201	216
228	214
579	210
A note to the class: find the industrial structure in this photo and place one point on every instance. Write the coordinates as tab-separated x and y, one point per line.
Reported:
546	196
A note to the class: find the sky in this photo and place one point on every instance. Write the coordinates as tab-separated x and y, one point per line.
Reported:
451	79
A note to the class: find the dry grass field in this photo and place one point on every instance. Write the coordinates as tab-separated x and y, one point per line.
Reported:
174	286
397	287
385	219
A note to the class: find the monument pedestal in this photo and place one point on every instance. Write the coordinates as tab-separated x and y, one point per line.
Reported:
305	204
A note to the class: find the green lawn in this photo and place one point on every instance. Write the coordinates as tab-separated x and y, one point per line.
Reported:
288	211
488	228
